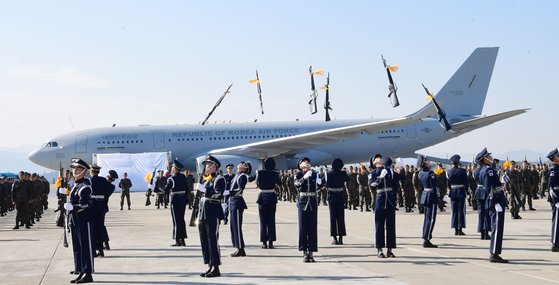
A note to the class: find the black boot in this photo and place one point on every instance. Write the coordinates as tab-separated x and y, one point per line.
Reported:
380	254
428	244
311	258
482	234
456	231
87	278
205	273
495	258
182	242
214	273
239	252
306	258
16	227
77	278
460	232
340	240
271	245
107	247
555	248
487	235
99	253
264	244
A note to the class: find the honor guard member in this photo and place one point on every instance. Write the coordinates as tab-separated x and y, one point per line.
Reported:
210	213
100	188
237	205
497	204
266	181
458	185
228	179
336	179
553	184
307	182
429	198
482	200
176	188
385	207
81	217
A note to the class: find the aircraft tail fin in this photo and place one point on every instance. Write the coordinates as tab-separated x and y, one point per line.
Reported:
465	92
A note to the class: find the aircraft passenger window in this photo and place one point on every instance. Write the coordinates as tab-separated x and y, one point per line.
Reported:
54	144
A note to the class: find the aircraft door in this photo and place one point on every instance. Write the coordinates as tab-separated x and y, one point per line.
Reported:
81	143
410	131
159	140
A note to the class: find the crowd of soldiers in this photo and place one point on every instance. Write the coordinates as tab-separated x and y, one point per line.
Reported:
524	184
27	195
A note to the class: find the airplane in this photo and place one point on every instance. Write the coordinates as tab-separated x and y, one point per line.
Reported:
462	99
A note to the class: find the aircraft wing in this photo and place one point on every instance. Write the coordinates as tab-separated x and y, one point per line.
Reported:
302	142
469	125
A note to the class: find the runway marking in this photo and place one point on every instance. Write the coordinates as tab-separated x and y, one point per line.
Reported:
51	259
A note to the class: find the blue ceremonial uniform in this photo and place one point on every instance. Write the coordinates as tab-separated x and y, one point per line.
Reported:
385	207
429	200
81	217
237	205
307	209
481	195
335	181
178	196
226	195
491	182
266	181
554	199
458	185
209	215
101	190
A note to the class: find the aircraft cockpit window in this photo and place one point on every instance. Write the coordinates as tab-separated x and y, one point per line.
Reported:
51	144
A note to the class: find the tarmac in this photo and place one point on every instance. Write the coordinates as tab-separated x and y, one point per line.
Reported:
141	252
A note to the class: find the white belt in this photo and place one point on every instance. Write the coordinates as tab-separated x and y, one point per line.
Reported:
267	191
307	194
335	189
480	186
427	189
97	196
457	186
205	199
387	189
178	192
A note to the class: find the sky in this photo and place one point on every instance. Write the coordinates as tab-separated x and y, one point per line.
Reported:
72	65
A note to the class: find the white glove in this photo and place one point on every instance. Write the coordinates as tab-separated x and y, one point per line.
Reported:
552	194
446	198
308	174
225	207
62	190
557	205
201	188
374	184
68	206
318	180
498	208
383	173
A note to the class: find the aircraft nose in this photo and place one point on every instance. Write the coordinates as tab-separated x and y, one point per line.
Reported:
37	157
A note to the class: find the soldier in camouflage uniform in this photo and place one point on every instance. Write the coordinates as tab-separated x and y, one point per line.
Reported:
535	182
364	191
321	190
527	186
472	187
544	175
353	189
418	189
20	196
512	188
407	187
160	183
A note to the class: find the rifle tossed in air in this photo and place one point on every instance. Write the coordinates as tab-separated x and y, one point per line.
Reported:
150	188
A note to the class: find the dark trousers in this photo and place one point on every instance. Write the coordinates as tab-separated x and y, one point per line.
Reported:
337	220
555	224
430	213
100	231
125	193
267	215
386	217
458	213
484	221
308	237
177	213
209	235
497	227
236	225
82	245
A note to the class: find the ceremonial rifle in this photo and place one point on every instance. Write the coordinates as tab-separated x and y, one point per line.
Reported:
440	113
217	104
392	88
327	105
150	188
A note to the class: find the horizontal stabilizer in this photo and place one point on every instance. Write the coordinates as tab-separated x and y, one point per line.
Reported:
470	125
